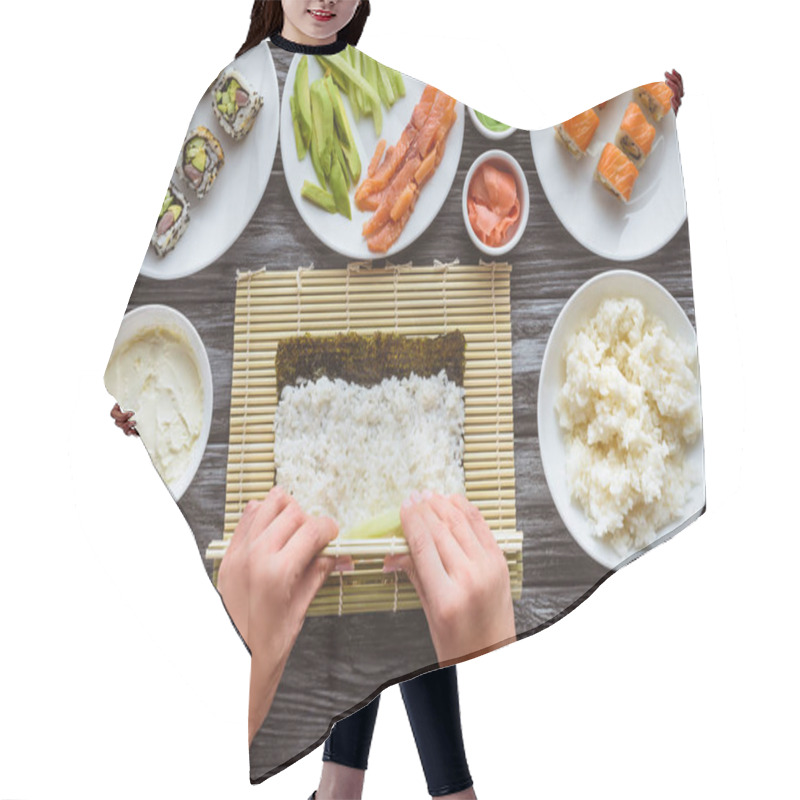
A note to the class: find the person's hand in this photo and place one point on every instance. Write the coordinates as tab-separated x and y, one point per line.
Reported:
675	82
267	580
124	420
460	575
270	572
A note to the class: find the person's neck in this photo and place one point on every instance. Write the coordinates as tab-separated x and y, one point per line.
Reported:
295	35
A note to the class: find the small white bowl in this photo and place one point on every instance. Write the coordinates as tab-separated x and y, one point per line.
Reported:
160	316
504	160
482	129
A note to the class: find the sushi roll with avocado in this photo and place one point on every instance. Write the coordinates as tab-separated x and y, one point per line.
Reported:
172	221
656	98
201	159
236	104
577	133
635	135
616	173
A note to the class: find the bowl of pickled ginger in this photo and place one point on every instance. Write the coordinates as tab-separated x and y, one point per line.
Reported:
495	202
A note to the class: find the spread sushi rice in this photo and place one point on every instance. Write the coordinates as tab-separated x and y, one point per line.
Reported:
630	407
353	452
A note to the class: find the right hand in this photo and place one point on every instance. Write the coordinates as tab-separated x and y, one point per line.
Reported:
124	420
460	575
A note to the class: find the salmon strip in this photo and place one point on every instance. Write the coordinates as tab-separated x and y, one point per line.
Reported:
376	158
423	108
441	135
427	167
404	201
383	212
389	233
392	160
440	111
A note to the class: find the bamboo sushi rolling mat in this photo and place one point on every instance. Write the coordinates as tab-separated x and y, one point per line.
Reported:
410	301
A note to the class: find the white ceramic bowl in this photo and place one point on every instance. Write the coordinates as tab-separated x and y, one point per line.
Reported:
160	316
502	160
484	131
576	312
343	235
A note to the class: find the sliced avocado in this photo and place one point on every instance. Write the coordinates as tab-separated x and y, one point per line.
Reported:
199	161
176	211
165	204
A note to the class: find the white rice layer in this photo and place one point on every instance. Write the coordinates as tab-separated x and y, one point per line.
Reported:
352	452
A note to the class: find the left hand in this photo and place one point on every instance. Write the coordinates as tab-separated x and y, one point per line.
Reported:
675	82
271	573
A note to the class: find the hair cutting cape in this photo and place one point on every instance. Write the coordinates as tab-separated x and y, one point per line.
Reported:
548	274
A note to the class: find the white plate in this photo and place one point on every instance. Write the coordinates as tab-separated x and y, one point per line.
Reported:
334	230
217	220
159	316
597	219
577	311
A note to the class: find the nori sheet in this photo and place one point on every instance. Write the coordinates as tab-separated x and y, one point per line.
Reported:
367	360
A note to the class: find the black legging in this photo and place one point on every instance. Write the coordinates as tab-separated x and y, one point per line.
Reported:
432	707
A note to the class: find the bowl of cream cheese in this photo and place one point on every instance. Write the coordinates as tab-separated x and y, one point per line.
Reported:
159	369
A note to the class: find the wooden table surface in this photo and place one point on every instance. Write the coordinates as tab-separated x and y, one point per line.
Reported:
338	663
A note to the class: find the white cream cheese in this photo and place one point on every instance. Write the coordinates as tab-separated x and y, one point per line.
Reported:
155	375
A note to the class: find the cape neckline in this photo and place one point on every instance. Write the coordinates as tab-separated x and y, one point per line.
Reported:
294	47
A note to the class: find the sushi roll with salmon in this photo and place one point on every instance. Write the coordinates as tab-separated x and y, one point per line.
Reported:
577	133
201	159
173	219
635	135
236	104
656	98
616	173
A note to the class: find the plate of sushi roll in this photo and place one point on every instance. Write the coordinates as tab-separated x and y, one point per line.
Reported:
221	171
369	154
612	174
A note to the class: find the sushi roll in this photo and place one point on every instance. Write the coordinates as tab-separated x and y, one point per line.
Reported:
656	98
172	221
236	104
635	135
616	173
577	133
201	159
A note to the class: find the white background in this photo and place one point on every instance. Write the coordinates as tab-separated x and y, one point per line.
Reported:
121	675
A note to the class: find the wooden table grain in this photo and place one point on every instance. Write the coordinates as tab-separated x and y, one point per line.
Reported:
340	663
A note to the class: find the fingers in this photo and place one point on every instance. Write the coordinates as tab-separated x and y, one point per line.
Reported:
122	419
457	524
675	82
312	581
271	509
314	535
421	545
478	524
